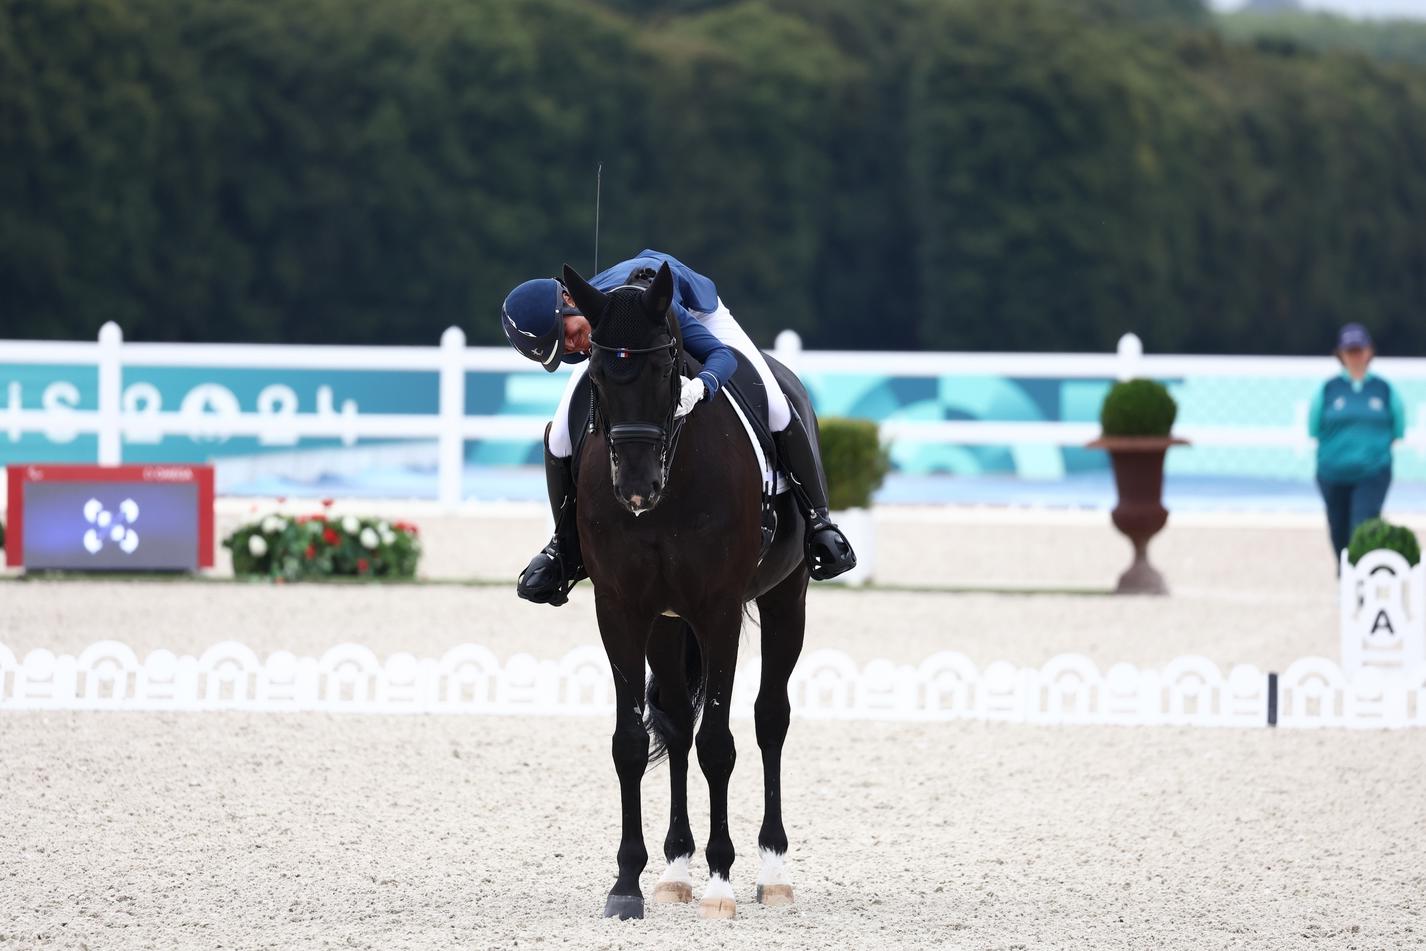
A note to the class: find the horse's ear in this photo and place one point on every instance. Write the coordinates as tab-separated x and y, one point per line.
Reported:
659	295
590	300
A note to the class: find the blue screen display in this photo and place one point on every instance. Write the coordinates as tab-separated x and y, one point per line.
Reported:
111	526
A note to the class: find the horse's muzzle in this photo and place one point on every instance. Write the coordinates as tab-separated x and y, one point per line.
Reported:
637	495
638	459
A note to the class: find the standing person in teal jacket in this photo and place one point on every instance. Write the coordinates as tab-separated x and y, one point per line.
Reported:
1355	417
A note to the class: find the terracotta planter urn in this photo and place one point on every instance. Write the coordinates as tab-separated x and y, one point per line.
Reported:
1138	463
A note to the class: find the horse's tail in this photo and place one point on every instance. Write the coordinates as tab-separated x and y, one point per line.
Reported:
663	729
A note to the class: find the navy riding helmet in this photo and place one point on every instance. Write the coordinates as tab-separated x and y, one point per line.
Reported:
533	320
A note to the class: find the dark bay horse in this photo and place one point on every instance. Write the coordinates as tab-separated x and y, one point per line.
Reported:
670	526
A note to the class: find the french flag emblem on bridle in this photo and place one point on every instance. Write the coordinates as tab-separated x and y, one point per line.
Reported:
621	354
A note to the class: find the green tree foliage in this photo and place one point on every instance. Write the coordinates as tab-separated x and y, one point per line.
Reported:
356	170
1042	180
1391	41
986	174
757	118
1192	12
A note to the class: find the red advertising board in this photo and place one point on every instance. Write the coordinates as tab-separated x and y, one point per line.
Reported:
141	517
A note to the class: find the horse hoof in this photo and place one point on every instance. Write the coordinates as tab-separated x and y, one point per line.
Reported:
717	908
775	896
624	907
673	893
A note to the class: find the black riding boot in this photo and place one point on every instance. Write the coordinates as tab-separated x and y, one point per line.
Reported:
550	575
828	551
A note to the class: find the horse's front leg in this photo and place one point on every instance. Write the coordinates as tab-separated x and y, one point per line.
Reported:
718	636
625	633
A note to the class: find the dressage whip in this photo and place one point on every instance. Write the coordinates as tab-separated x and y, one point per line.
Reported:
598	182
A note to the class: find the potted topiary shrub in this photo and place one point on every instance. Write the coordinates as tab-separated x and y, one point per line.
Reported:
1382	592
1137	418
856	463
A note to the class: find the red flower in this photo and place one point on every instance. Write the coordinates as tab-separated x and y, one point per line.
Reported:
281	499
327	503
311	552
362	566
329	536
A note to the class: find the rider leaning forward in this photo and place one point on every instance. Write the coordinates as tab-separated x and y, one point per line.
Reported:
541	321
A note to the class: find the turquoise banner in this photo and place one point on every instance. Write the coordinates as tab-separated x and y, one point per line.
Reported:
1208	400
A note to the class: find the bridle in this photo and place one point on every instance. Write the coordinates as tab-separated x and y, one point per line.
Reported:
664	435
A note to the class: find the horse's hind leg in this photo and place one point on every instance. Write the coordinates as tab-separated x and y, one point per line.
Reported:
671	714
624	634
782	613
718	632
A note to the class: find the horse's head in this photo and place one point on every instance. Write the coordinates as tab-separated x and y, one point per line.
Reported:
634	356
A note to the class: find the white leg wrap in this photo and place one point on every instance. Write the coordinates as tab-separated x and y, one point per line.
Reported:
718	887
772	871
677	871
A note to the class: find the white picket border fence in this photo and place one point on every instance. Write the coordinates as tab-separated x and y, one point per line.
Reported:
827	684
129	412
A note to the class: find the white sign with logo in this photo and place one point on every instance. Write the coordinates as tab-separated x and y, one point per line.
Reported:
1383	604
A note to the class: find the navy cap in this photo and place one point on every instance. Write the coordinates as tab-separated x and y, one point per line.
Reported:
532	318
1353	337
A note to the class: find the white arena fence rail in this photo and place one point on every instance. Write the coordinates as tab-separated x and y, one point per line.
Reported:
123	413
827	684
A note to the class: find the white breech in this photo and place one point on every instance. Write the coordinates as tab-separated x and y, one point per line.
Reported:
726	329
560	445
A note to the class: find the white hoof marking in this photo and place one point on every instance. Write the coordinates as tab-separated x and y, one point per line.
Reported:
677	871
718	901
675	885
772	871
717	887
773	890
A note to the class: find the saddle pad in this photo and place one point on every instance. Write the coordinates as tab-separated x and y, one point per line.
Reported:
746	392
764	466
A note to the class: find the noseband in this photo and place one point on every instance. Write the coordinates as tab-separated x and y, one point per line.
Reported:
663	435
